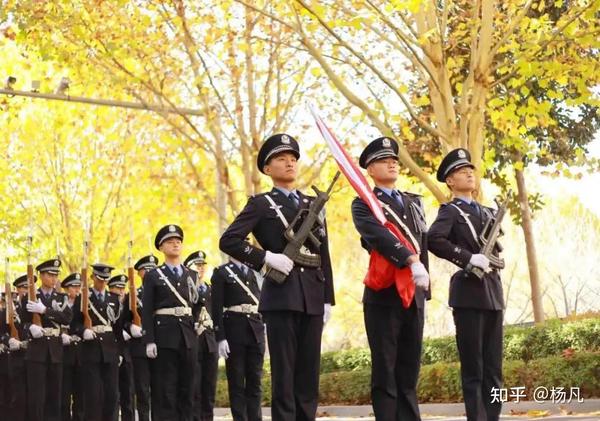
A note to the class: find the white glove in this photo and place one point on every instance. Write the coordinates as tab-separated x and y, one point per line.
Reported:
126	336
326	313
14	344
66	339
279	261
136	331
480	261
120	360
151	350
36	307
88	335
420	275
224	349
36	331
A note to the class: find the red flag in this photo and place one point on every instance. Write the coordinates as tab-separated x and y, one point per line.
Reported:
382	273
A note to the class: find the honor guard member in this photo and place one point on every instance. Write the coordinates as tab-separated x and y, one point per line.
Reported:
116	287
395	333
137	347
72	396
44	356
206	373
477	304
99	349
295	310
241	336
15	349
169	297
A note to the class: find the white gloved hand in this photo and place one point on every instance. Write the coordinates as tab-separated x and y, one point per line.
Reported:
480	261
126	336
151	350
279	261
136	331
36	331
36	307
224	349
420	275
326	313
88	335
14	344
66	339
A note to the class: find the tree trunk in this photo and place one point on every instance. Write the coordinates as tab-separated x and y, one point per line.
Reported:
527	225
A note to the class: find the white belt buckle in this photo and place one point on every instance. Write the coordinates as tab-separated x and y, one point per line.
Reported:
179	311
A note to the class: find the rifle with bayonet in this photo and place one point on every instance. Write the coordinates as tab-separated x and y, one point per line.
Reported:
31	293
10	305
489	239
136	319
85	291
295	248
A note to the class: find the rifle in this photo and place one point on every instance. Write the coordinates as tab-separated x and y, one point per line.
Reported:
10	305
295	248
488	238
137	320
85	292
31	294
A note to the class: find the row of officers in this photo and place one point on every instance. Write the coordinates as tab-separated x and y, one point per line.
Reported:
61	370
175	349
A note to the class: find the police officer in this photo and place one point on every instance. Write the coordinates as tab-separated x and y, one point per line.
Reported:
241	335
137	346
99	349
44	356
294	311
477	304
169	296
394	328
116	287
15	349
72	399
206	372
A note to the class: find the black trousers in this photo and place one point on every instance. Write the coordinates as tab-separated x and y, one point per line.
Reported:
4	383
295	349
479	341
100	390
126	391
72	393
17	388
244	368
44	379
395	337
205	387
173	376
141	377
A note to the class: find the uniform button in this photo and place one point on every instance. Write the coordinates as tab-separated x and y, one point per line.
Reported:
179	319
247	315
100	337
301	269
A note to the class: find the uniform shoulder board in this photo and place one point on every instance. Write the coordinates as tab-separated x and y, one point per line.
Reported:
413	194
258	195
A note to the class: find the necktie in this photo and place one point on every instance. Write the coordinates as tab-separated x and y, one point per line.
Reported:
292	196
473	204
101	297
176	271
397	198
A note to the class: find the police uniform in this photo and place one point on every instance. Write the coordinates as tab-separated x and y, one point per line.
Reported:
100	355
72	396
16	394
235	297
125	361
44	355
205	385
477	304
137	348
169	325
293	310
395	333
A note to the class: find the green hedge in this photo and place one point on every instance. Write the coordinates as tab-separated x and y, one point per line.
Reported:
440	382
520	343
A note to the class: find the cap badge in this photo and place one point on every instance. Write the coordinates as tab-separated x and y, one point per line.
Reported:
56	263
77	276
386	142
171	228
151	259
285	139
462	154
105	270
